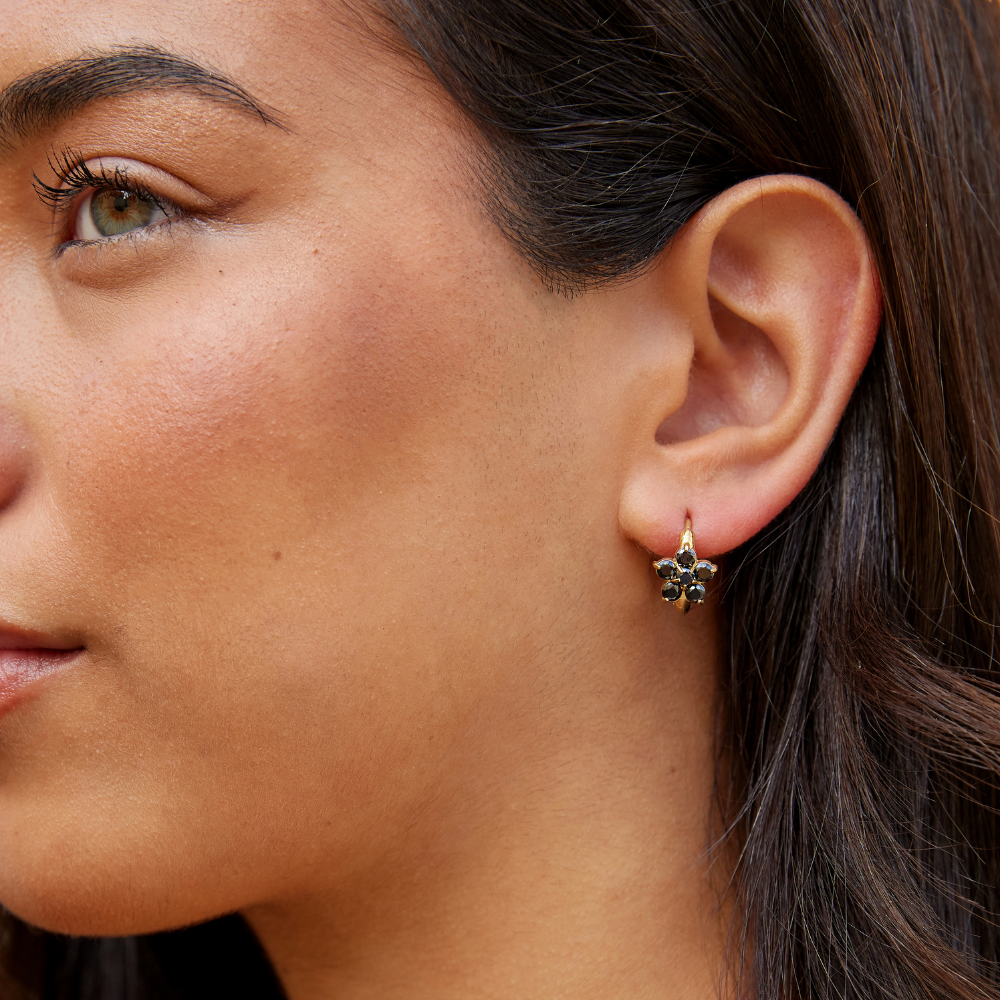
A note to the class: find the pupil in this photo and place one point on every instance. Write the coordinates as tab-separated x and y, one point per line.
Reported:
121	202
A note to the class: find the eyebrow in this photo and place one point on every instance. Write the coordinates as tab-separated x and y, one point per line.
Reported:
49	95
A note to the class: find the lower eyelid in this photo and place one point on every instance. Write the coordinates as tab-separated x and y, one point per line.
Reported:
134	238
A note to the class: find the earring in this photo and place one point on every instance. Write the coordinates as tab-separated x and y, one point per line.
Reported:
685	574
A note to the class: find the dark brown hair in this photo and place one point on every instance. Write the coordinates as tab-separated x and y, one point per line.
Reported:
863	709
863	716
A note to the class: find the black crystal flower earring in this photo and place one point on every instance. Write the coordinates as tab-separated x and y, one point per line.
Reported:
685	575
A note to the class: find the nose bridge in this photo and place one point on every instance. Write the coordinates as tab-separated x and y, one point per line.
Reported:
21	315
24	294
14	456
23	305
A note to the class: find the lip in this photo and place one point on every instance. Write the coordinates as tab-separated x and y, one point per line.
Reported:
25	658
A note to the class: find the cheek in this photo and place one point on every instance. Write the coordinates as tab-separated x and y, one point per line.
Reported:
244	485
252	411
233	474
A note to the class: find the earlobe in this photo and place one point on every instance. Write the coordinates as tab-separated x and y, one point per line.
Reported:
774	281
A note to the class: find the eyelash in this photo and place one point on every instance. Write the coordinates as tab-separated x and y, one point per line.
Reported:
75	177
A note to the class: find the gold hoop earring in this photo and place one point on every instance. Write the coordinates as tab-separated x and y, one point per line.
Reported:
685	575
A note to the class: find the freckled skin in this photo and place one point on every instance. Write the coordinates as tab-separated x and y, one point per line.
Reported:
326	481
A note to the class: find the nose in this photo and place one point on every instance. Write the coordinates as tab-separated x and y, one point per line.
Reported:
13	458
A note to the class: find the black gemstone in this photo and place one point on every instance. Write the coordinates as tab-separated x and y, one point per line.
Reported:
696	593
704	571
685	558
686	577
666	569
671	591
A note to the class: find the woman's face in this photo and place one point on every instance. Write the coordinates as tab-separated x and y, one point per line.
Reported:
304	469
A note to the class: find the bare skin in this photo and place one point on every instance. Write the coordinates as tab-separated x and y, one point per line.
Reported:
350	518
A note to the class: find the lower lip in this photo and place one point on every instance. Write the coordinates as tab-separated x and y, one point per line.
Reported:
21	668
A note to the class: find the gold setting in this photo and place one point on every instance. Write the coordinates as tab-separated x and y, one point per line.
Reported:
685	576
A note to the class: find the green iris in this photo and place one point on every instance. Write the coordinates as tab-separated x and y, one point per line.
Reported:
116	212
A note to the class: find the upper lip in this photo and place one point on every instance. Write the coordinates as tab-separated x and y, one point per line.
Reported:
12	637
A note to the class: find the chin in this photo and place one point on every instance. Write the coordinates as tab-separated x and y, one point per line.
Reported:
68	882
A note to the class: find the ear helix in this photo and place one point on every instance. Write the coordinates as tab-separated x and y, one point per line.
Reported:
685	575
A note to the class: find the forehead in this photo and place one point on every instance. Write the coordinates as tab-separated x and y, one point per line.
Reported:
281	50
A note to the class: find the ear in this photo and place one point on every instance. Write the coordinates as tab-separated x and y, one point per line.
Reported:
769	307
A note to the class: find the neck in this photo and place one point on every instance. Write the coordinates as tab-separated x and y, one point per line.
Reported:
567	857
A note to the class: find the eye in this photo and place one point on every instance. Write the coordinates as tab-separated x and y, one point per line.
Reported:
112	211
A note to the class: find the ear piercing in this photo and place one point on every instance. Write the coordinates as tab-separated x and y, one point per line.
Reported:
685	575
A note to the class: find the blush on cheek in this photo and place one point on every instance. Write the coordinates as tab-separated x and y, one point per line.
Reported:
262	403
